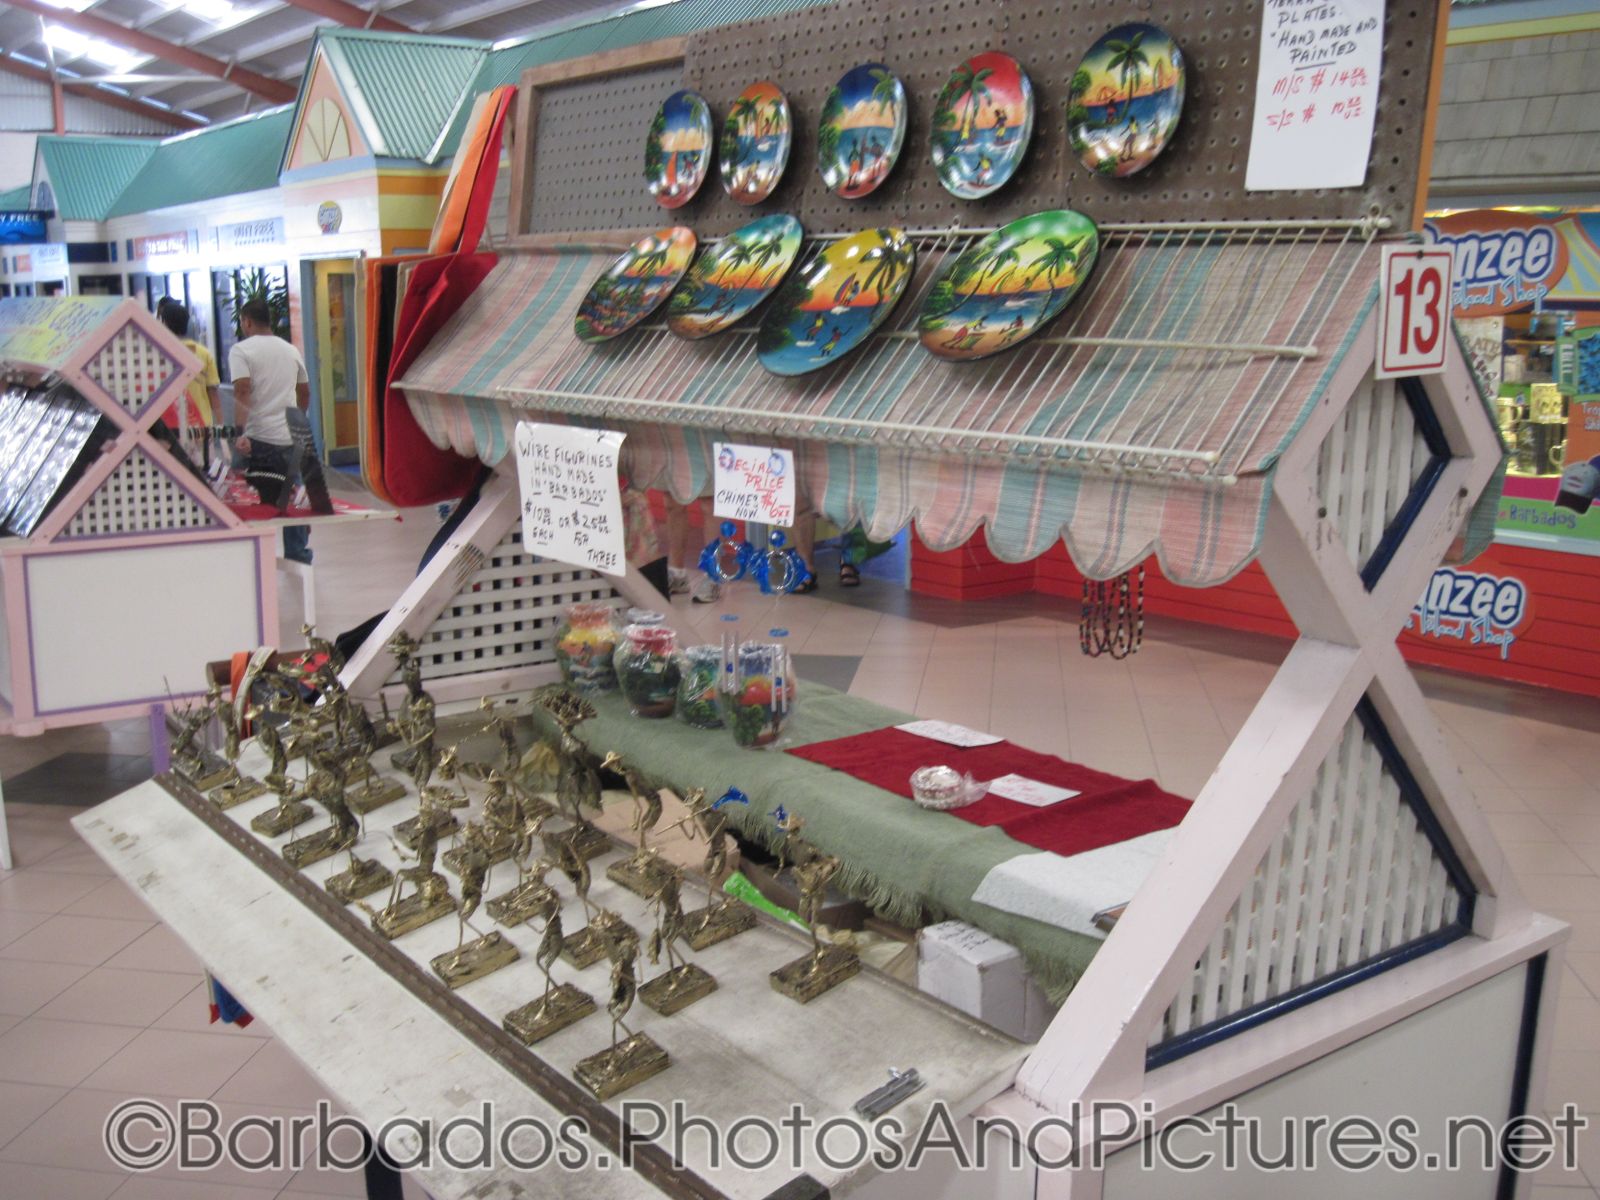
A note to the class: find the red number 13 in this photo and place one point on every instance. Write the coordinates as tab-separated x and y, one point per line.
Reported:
1428	286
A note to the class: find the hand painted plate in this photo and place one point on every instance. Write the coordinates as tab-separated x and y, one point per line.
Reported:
1125	99
982	123
635	285
677	154
863	126
754	148
829	306
727	282
1005	287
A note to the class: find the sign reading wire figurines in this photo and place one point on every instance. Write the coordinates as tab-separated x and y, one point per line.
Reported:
754	483
571	495
1316	94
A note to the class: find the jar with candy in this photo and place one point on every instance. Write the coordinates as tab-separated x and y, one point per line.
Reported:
697	688
585	642
647	669
762	697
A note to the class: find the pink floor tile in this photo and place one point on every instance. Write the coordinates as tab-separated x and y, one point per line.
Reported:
190	1065
158	950
274	1076
146	1188
86	940
119	997
24	1180
191	1014
34	890
25	988
112	898
14	922
21	1104
58	1053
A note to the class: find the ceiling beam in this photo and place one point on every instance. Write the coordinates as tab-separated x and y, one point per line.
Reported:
351	15
100	96
268	89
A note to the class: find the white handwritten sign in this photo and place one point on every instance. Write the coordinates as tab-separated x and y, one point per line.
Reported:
1316	94
754	483
950	733
1029	791
571	495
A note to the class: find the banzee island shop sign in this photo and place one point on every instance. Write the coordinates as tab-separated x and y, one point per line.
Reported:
1503	261
1479	610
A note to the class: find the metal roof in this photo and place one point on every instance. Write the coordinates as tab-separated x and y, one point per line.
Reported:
88	174
225	160
16	198
405	89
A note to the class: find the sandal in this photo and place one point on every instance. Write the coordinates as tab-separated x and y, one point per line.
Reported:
806	588
849	575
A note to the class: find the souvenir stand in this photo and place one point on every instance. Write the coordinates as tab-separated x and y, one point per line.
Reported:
120	530
1331	930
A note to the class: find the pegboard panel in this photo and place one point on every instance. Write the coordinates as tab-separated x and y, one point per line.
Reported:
138	497
131	368
1199	178
588	160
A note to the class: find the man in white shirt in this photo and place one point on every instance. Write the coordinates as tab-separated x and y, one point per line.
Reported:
270	390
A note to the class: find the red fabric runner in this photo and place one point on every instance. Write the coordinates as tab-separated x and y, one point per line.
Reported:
1109	810
265	512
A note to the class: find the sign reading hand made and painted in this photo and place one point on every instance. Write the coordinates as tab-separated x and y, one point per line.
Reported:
1480	610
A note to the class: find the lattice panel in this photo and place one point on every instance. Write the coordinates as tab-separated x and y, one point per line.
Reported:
138	497
506	613
1354	875
131	368
1376	467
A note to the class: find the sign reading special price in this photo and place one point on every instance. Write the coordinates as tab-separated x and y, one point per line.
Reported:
754	483
572	495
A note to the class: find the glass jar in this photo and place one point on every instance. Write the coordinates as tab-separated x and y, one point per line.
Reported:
647	669
762	697
697	688
585	643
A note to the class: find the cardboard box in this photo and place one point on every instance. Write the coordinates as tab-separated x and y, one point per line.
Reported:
983	977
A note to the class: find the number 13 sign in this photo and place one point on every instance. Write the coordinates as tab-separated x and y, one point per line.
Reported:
1413	311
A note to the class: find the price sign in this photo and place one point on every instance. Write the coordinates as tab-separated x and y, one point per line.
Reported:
571	495
754	483
1413	311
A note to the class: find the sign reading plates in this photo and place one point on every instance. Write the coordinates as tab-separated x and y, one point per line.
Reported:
1413	311
754	483
1316	94
571	495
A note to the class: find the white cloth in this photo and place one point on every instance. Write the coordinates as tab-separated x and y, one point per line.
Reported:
273	367
1068	891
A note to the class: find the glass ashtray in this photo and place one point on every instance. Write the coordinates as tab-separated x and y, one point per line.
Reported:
942	787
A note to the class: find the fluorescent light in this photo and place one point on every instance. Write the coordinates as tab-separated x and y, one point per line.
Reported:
215	11
76	45
70	5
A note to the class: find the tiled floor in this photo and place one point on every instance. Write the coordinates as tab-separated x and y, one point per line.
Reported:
99	1003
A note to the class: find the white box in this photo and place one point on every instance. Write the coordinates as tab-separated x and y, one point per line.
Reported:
983	977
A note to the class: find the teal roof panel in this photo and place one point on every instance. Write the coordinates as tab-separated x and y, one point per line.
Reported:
408	87
15	199
87	174
224	160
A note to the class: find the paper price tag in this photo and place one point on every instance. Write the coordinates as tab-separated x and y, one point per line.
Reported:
753	483
572	495
1029	791
950	733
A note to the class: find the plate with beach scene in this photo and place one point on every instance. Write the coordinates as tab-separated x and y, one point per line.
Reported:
754	148
1125	100
734	276
863	126
634	286
1006	286
982	123
829	307
677	153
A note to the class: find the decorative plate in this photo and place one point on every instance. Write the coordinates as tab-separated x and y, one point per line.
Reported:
829	306
863	126
677	154
727	282
982	122
1006	286
1125	99
754	148
634	286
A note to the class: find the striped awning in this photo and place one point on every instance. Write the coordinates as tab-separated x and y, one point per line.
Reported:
1147	420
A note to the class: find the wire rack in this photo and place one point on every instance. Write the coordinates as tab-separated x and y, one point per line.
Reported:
1176	359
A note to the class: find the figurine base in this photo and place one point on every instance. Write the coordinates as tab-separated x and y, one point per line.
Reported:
807	978
439	797
315	847
415	911
205	771
236	791
628	1063
409	832
717	923
643	876
277	821
497	850
549	1014
584	948
403	760
514	907
677	989
374	794
360	881
475	959
587	841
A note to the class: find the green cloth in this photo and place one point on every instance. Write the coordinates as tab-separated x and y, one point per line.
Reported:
909	863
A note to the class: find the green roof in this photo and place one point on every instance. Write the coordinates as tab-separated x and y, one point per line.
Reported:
224	160
87	174
403	89
16	198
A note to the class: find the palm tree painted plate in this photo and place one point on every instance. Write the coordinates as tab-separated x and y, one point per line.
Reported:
727	282
754	149
634	286
1125	99
1007	286
863	126
830	306
677	153
982	123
